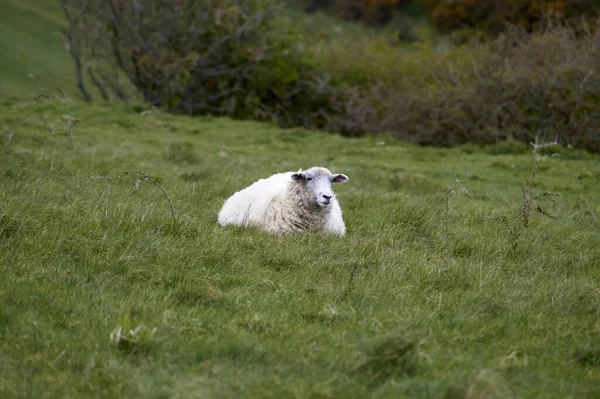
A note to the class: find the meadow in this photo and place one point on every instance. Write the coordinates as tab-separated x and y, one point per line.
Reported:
106	293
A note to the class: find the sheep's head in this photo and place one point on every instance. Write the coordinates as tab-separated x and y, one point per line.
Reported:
315	185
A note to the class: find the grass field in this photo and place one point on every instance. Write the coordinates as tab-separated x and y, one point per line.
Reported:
240	313
32	44
397	308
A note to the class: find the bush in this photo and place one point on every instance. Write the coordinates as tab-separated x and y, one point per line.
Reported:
519	86
229	57
236	58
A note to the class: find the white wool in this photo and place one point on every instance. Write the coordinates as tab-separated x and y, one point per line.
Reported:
287	203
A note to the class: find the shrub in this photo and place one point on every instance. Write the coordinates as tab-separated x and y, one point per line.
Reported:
519	86
237	58
229	57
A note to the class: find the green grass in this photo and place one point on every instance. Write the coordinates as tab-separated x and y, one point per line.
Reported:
240	313
32	44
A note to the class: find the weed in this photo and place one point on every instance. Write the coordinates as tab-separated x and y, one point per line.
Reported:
350	282
130	336
329	312
142	176
70	123
146	177
583	201
513	360
460	189
515	227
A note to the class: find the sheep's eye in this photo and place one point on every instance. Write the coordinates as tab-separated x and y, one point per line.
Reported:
308	178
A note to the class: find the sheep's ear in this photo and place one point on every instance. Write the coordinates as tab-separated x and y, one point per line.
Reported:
339	178
297	176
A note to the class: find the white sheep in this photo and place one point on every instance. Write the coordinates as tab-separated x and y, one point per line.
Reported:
288	203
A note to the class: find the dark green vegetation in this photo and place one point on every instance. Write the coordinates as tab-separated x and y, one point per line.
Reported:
247	61
103	294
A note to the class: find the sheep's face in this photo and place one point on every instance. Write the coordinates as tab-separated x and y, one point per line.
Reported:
316	185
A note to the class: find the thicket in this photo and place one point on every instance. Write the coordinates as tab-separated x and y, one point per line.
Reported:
238	58
228	57
520	86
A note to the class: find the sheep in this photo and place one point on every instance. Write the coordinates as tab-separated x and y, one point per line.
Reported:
288	203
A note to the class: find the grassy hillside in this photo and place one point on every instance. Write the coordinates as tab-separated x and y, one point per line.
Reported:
399	307
32	44
383	312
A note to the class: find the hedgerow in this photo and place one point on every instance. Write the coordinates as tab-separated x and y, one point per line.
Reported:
518	86
241	59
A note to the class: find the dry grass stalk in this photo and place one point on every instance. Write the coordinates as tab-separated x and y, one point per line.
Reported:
589	209
350	283
130	335
146	177
8	135
530	206
71	122
460	189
